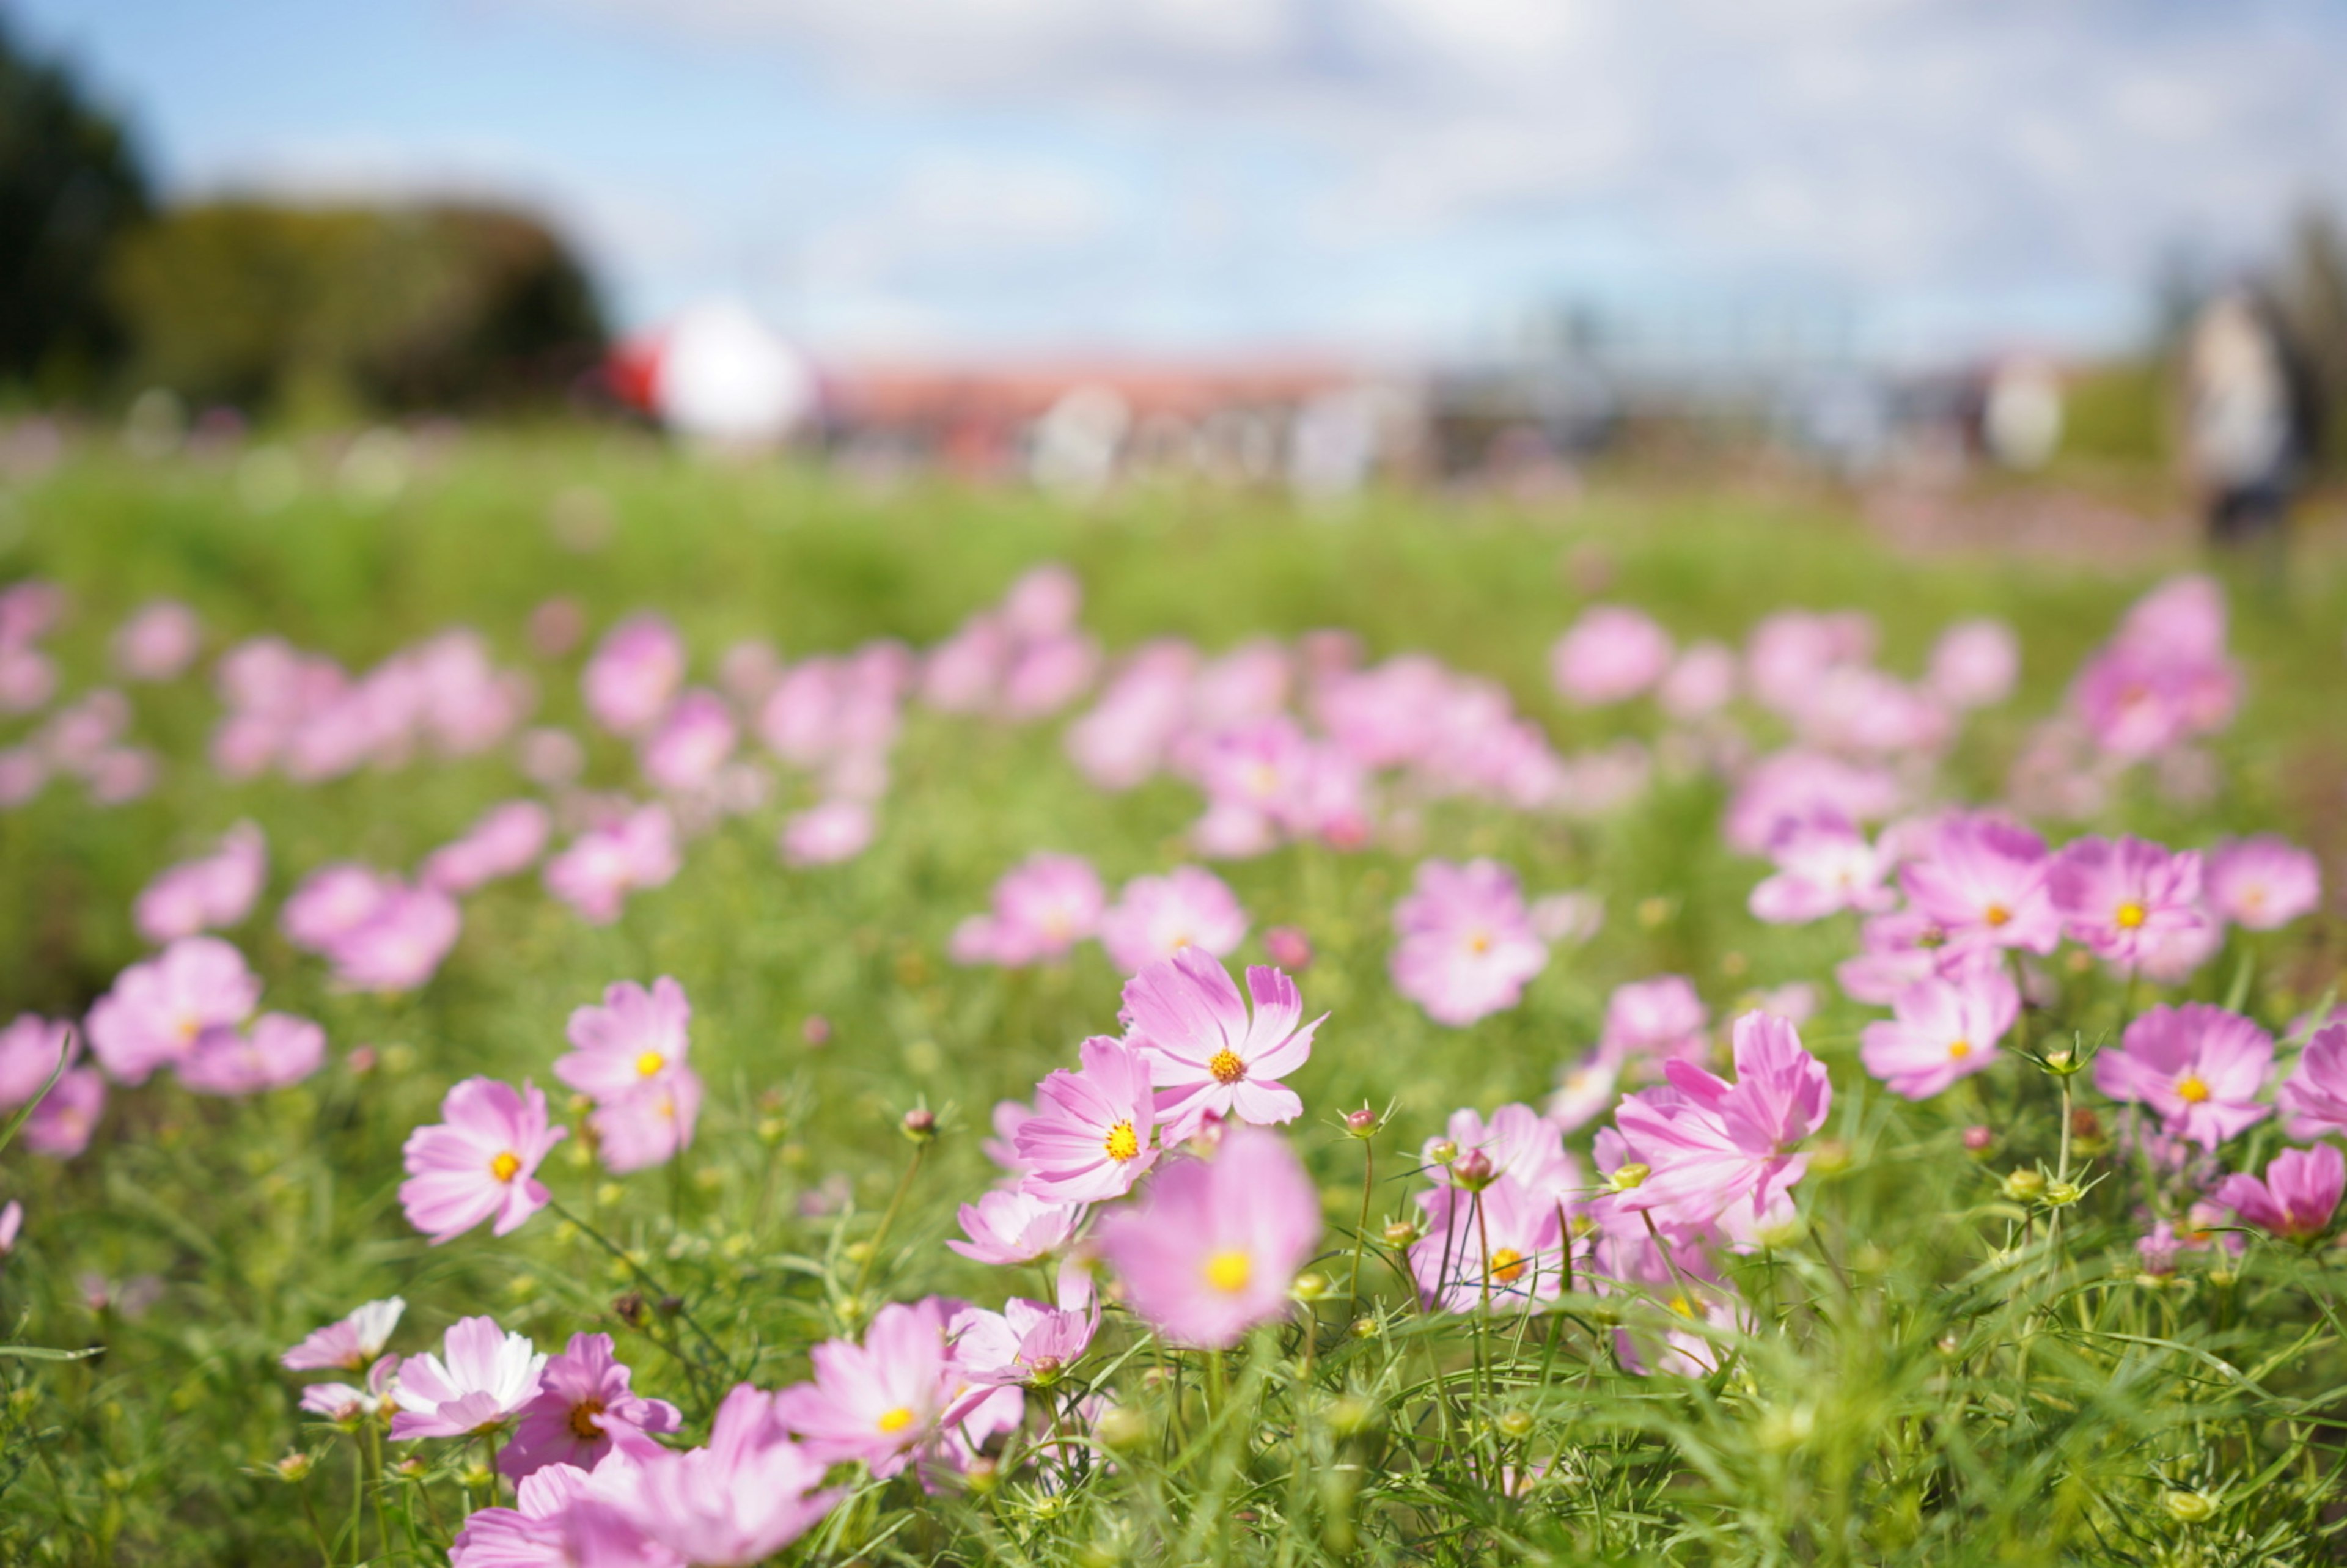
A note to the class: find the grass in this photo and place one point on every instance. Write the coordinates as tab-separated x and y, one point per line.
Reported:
1934	1379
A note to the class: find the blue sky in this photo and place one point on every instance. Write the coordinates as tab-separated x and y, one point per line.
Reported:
1390	175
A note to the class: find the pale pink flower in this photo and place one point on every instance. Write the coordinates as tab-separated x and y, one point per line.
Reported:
1584	1090
479	1162
1502	1247
1725	1152
216	890
1047	674
1289	948
1570	918
349	1344
1156	916
2313	1101
604	865
1519	1144
61	1124
1943	1030
332	902
348	1402
11	1221
1028	1344
1974	664
1128	733
634	671
276	1050
32	1048
1466	946
2262	883
1091	1135
555	627
1008	1117
2298	1197
629	1057
1794	786
583	1410
1011	1227
159	1010
1043	602
1042	907
1983	883
1208	1057
693	740
2120	899
1701	682
1214	1245
2200	1067
878	1403
648	1127
401	942
1823	868
1611	653
564	1518
504	841
1661	1017
740	1500
828	834
483	1382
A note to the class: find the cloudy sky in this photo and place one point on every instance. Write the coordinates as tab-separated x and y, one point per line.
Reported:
1392	175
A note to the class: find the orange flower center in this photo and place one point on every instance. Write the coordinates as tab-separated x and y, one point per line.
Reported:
1480	942
2190	1090
1226	1067
1229	1272
584	1424
1996	915
1509	1264
2130	915
506	1167
1122	1143
897	1420
1959	1048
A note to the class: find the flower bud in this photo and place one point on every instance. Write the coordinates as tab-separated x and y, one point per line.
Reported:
629	1308
1350	1415
1627	1176
1364	1329
920	1124
1515	1424
2062	1194
1830	1157
295	1466
1289	948
816	1030
982	1475
2188	1507
1362	1123
1473	1171
1441	1152
1310	1286
1401	1232
1978	1140
1119	1427
2023	1186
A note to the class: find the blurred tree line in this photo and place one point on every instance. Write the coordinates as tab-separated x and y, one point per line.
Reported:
272	308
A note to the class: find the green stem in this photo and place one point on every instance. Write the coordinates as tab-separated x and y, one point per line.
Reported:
1361	1232
645	1278
888	1218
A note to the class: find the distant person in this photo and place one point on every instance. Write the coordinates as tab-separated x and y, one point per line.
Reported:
2247	416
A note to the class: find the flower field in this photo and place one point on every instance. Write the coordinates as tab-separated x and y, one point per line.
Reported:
580	1007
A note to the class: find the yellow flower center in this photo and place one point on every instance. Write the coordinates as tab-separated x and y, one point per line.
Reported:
1122	1143
1509	1264
897	1420
1959	1048
2130	915
1996	915
584	1424
506	1167
1480	942
1225	1066
2190	1090
650	1062
1229	1271
1682	1306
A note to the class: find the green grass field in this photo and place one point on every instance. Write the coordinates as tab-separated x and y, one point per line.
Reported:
1915	1399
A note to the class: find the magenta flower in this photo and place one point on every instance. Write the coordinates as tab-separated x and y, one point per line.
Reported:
1042	907
604	865
2262	883
1974	664
2313	1101
158	641
1502	1246
479	1162
61	1125
1028	1344
584	1409
1014	1227
401	942
332	902
1214	1244
692	743
737	1502
158	1011
1722	1150
1466	946
2297	1198
31	1048
1157	917
277	1050
1089	1137
1983	883
876	1403
1944	1028
1660	1018
216	890
486	1380
505	840
1207	1057
565	1518
2121	898
1823	868
634	671
2200	1067
350	1345
1609	654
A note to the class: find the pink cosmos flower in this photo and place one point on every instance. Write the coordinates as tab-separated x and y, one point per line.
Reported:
1974	664
2313	1101
61	1125
1028	1343
1289	948
486	1380
505	840
197	895
2297	1198
1794	786
2120	899
1042	907
32	1048
11	1221
737	1502
1009	1228
277	1050
332	902
350	1345
1702	683
1091	1135
1127	733
1945	1029
629	1057
2165	678
158	641
881	1402
1519	1144
1661	1018
1214	1244
479	1162
1502	1246
634	671
1822	868
1007	1118
565	1518
1725	1152
584	1409
604	865
1207	1057
1157	917
1791	651
826	835
1983	883
347	1402
401	942
2262	883
693	740
1466	946
158	1011
1583	1091
1611	653
2200	1067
